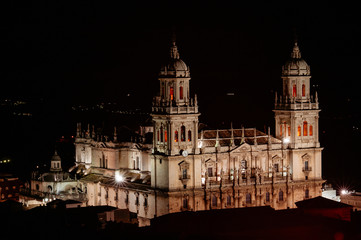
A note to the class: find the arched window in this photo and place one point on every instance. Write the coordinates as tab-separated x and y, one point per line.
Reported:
183	133
248	198
165	136
161	133
163	90
171	93
311	130
299	131
176	136
294	91
303	90
189	135
158	135
305	128
280	196
180	92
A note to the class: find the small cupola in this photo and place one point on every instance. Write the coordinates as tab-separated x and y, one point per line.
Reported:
55	164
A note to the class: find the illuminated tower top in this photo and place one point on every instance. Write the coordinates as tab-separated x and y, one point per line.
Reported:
174	77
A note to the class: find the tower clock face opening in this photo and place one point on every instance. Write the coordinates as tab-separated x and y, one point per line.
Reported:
184	153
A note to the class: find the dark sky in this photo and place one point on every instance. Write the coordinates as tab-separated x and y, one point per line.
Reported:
72	52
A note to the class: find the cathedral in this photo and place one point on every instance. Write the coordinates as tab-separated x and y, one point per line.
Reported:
183	168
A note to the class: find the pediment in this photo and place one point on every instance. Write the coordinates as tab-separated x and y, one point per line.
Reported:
244	147
306	157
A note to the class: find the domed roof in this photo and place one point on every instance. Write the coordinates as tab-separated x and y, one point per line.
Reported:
175	67
296	66
56	157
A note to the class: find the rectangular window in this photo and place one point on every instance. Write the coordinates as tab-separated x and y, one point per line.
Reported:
210	172
171	93
306	165
180	92
185	203
176	136
229	200
184	173
276	167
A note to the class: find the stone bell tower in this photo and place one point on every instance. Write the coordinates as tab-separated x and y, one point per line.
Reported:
296	110
175	120
297	119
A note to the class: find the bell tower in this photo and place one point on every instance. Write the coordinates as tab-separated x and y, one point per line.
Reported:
296	118
175	121
174	112
296	110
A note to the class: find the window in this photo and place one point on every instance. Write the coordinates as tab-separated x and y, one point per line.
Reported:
280	196
299	131
229	200
267	197
165	136
137	163
183	133
180	92
189	135
161	133
158	135
185	203
307	193
281	126
289	130
184	174
171	93
306	165
163	91
248	198
145	204
294	91
305	128
210	172
285	127
176	136
303	90
137	200
311	130
214	201
243	165
276	167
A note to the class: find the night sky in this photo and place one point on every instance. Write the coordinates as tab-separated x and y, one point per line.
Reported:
59	54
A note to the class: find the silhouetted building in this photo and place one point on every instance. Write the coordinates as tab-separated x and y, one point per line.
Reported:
321	206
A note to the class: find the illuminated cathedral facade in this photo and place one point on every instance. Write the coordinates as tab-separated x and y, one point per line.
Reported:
187	169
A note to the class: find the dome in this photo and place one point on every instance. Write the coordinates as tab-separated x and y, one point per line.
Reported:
296	66
175	67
